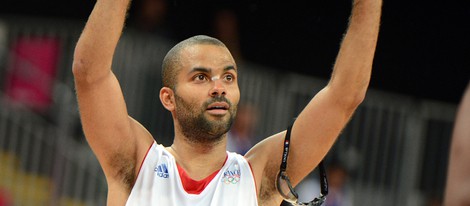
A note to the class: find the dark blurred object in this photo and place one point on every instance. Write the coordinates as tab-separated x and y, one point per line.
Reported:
151	16
226	29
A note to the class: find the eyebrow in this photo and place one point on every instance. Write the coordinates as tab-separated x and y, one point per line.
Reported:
230	68
209	70
200	69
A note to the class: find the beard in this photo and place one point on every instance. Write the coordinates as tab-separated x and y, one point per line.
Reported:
196	127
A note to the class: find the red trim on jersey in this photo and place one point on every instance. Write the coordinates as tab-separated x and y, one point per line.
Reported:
192	186
253	174
142	163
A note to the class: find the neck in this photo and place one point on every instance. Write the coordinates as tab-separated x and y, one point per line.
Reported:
198	159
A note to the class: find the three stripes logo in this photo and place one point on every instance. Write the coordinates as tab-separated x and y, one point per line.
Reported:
162	170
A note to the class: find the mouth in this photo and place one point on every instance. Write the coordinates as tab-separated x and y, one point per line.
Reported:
218	108
218	105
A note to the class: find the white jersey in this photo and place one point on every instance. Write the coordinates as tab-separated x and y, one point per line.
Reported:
159	183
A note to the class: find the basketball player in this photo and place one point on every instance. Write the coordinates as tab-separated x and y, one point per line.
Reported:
201	92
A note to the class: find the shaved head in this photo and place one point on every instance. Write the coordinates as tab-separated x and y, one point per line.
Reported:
171	63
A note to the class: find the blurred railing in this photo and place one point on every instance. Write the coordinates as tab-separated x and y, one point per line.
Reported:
395	147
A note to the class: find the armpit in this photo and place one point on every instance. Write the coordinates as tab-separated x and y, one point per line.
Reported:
268	194
124	169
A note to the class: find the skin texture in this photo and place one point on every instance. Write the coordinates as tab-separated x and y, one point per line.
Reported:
458	174
120	142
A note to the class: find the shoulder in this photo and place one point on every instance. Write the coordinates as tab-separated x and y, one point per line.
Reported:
266	155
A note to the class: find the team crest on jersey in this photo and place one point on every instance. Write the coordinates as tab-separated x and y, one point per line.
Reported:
232	174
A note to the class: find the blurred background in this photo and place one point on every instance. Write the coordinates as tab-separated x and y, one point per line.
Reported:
393	152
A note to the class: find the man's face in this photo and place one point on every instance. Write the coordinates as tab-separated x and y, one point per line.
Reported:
206	93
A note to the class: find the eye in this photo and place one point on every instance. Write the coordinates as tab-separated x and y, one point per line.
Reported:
229	78
200	77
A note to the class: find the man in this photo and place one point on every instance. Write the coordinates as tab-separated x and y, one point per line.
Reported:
201	92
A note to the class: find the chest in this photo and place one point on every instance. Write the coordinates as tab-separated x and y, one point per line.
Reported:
160	183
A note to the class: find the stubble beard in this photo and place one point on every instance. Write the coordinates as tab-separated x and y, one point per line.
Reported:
196	127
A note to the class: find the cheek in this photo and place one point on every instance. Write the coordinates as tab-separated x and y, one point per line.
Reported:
190	94
184	98
234	95
186	107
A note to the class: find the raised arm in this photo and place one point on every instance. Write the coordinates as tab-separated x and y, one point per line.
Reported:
319	124
114	137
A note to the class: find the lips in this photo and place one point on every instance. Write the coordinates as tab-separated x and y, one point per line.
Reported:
218	106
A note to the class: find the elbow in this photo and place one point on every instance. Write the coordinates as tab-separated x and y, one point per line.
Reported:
351	96
79	70
358	98
80	67
351	99
86	70
82	71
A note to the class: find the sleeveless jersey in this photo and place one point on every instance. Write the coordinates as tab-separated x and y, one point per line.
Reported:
159	183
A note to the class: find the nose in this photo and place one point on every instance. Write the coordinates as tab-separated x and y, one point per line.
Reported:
218	88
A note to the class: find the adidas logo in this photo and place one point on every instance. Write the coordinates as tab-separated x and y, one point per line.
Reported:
162	171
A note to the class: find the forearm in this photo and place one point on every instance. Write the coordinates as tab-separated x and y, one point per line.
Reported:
95	47
352	69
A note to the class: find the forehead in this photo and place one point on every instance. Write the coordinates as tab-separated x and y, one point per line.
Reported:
206	56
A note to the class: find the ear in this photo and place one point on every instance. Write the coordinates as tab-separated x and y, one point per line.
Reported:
167	98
